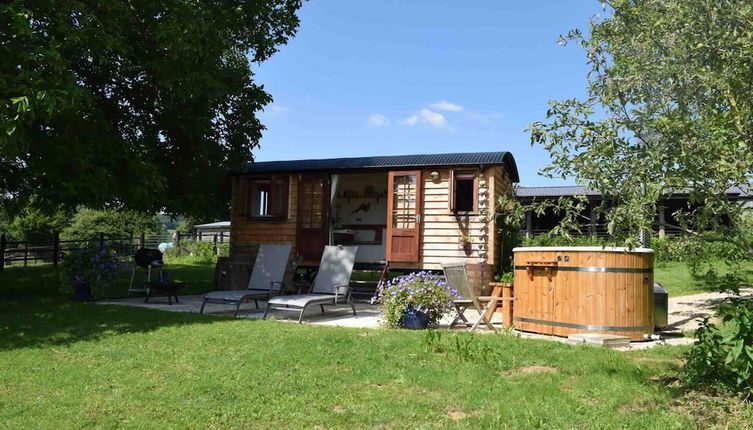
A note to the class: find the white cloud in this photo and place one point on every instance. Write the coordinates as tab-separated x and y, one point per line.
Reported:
426	116
433	118
446	106
378	120
411	120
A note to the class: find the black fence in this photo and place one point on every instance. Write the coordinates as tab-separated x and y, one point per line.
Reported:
26	253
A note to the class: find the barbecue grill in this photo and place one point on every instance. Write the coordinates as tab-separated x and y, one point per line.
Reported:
147	259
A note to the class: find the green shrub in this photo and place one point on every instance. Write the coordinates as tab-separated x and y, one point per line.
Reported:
667	249
88	223
203	252
34	225
723	359
197	251
553	240
507	277
694	252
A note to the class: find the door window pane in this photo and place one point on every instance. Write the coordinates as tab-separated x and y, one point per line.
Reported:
404	202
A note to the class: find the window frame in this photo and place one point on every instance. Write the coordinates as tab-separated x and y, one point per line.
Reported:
453	189
272	196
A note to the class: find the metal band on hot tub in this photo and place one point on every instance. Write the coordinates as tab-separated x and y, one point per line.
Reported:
580	326
596	269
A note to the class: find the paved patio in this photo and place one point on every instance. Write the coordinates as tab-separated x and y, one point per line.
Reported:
684	314
367	315
340	316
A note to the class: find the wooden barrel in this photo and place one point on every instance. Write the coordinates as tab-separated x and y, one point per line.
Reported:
567	290
480	275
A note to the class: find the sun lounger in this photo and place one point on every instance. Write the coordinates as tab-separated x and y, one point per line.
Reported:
265	282
331	285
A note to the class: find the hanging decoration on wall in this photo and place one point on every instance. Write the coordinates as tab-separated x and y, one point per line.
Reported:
363	207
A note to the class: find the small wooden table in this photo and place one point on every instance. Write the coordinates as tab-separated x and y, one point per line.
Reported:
170	289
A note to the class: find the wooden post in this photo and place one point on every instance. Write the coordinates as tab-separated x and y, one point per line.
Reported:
142	240
662	226
26	254
214	244
508	303
529	224
3	243
177	243
592	224
101	241
55	249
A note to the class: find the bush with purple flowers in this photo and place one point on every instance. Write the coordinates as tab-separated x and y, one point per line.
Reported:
422	291
99	268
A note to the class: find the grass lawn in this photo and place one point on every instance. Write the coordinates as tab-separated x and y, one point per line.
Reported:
70	365
679	281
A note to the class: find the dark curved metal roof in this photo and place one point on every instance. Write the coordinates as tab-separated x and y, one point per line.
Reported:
503	158
575	190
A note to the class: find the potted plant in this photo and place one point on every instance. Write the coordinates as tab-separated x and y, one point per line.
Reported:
91	272
465	240
506	278
414	301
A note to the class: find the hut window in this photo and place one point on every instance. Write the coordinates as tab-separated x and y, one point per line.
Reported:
268	197
463	196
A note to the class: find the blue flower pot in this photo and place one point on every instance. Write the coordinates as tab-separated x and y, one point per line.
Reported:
415	320
82	292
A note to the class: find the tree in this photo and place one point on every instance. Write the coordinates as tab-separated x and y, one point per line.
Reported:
669	108
89	223
34	225
135	104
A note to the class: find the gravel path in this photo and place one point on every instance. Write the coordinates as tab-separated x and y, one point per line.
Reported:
686	311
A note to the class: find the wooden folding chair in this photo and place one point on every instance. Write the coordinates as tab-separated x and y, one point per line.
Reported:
457	278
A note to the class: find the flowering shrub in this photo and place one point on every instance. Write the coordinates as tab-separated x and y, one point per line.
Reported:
99	268
422	291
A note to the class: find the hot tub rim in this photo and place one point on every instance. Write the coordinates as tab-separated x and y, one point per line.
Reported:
583	249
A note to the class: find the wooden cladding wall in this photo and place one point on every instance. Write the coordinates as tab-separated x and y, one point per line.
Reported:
500	185
247	234
441	229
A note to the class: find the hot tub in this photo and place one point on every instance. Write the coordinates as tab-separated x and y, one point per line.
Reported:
566	290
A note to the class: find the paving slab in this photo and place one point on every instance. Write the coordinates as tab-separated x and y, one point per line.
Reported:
598	339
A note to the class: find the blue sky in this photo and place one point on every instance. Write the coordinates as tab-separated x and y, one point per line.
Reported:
389	77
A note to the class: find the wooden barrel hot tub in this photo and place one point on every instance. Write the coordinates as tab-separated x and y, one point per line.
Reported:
566	290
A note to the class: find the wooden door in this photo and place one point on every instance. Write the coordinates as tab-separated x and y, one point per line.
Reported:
313	216
404	216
